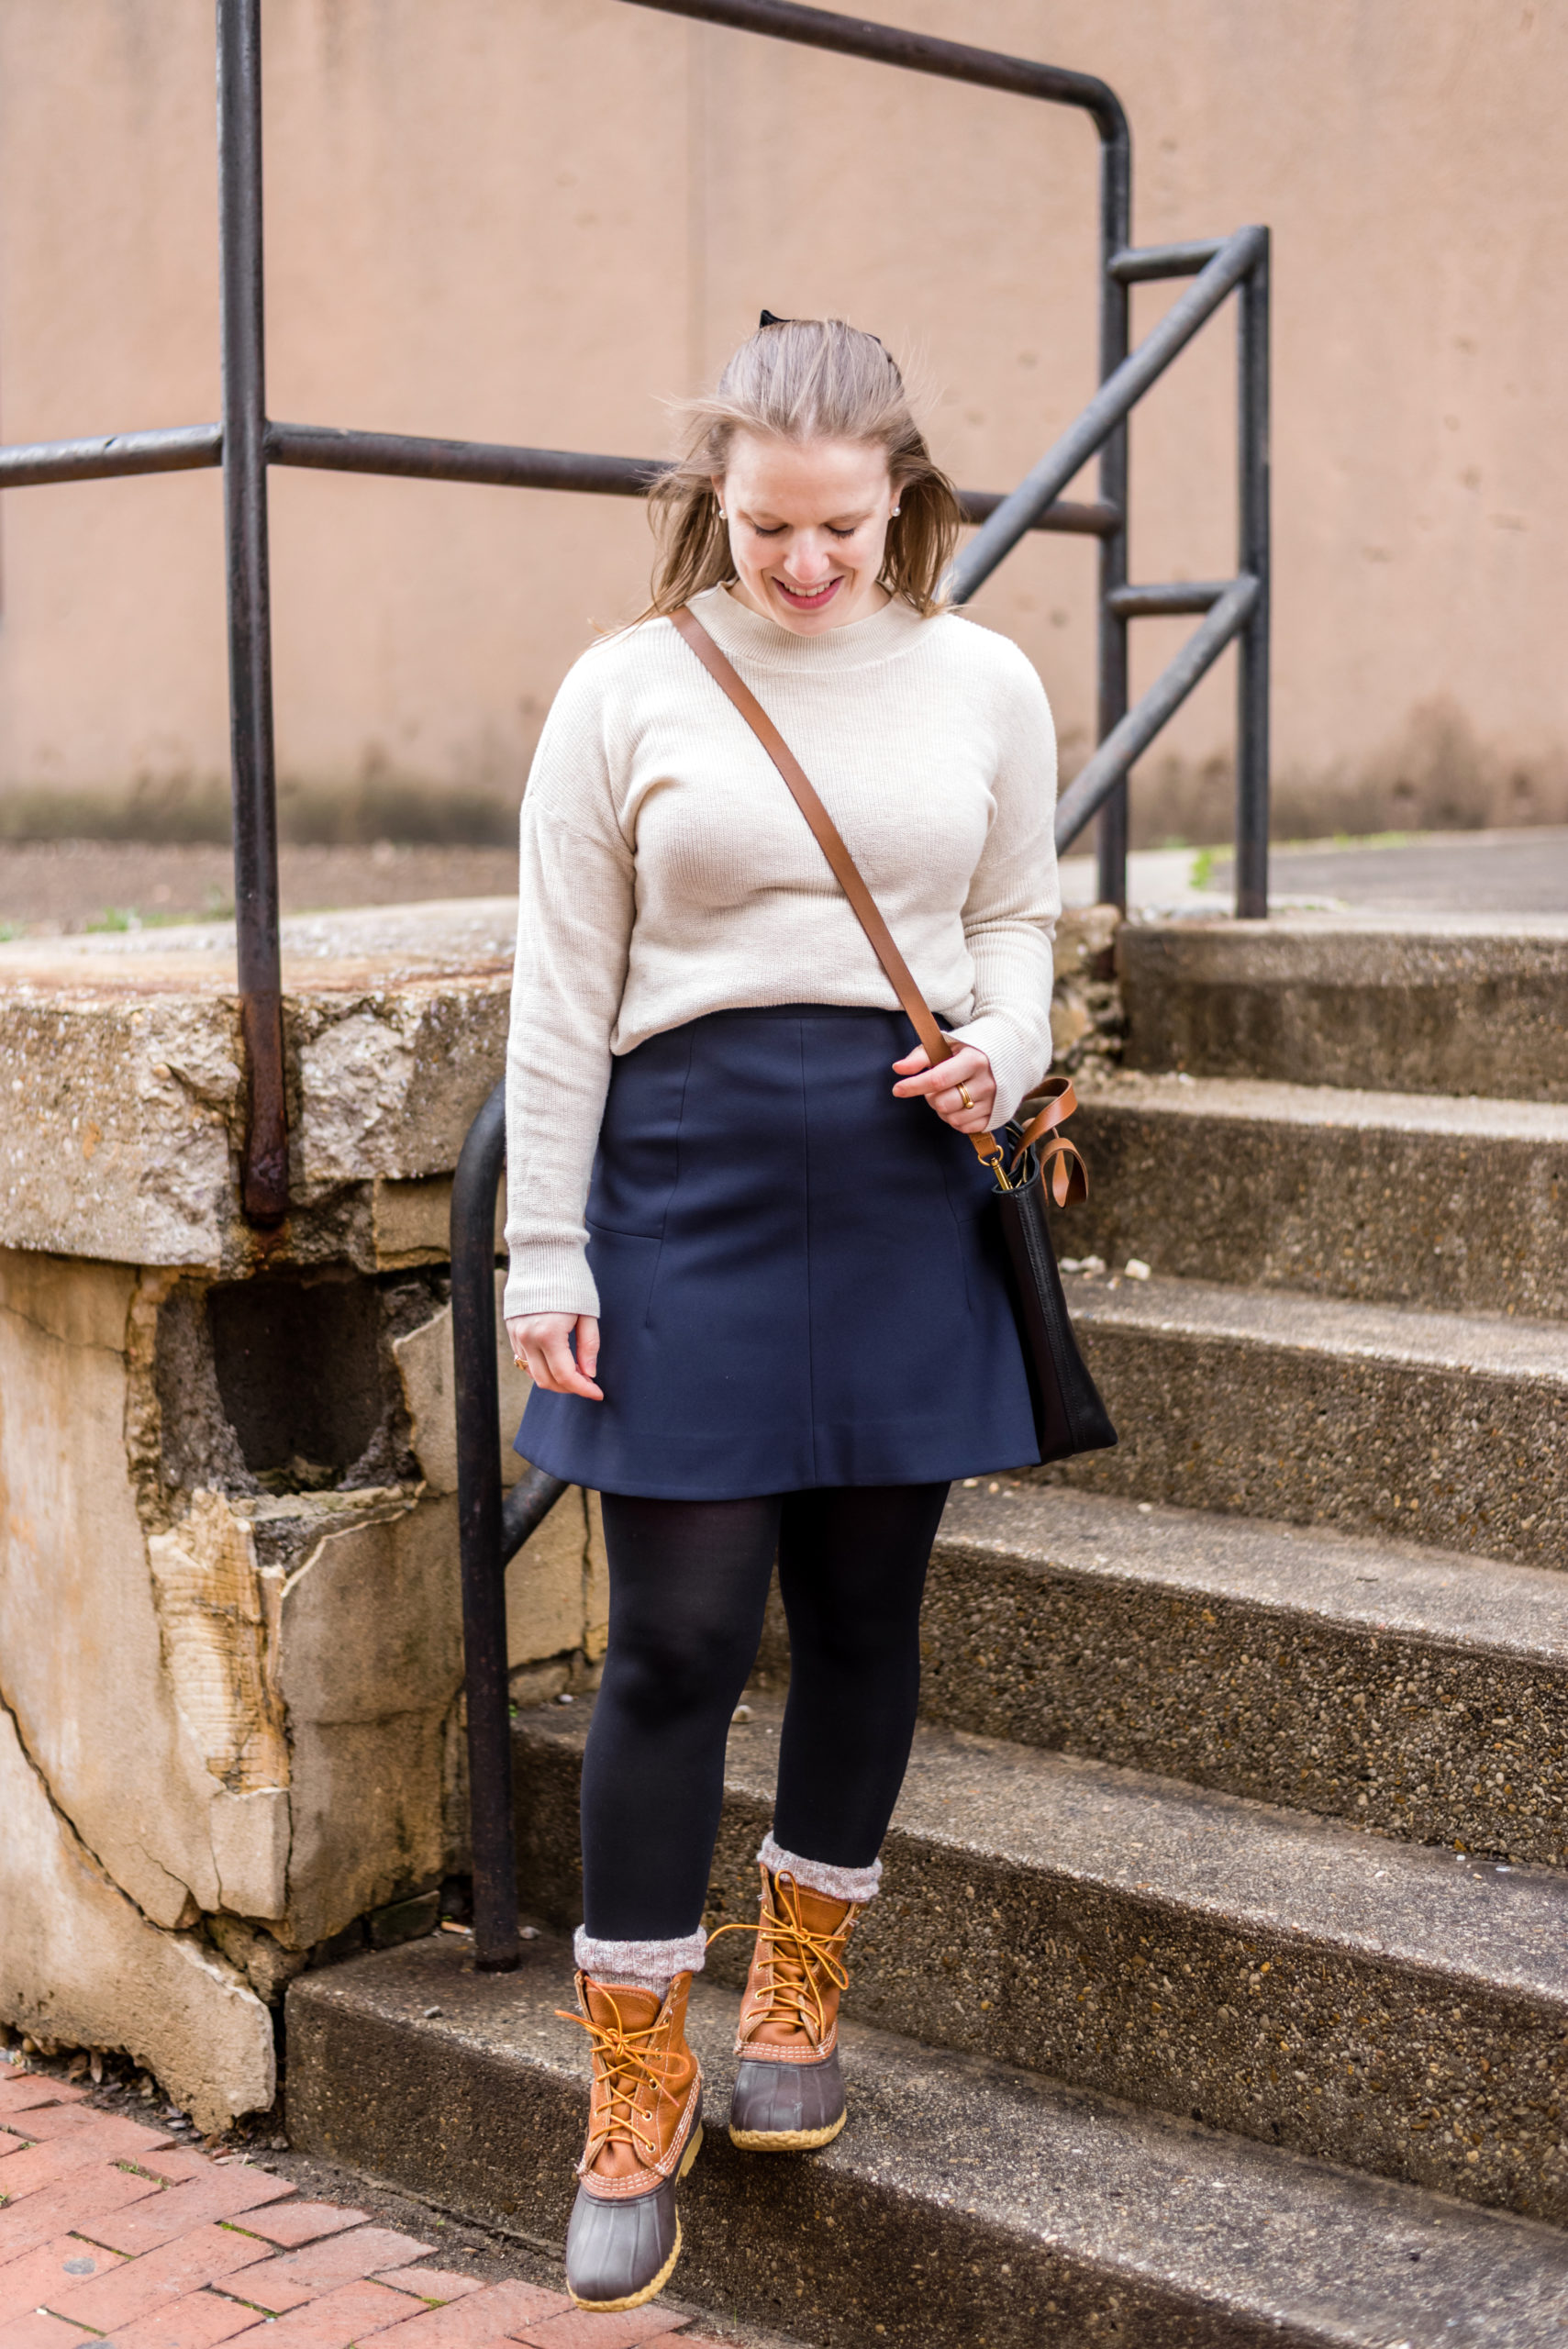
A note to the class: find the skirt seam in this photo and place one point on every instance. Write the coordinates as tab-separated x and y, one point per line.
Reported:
805	1180
679	1124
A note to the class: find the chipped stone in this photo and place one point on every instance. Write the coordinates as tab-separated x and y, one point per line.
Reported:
423	1359
79	1965
217	1619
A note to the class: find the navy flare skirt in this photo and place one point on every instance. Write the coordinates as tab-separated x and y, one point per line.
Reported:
802	1280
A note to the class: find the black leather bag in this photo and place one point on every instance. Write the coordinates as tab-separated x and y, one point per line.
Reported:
1068	1413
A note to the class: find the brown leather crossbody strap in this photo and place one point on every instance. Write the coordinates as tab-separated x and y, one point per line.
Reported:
830	841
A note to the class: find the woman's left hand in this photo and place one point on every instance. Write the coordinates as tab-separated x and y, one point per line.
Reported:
968	1068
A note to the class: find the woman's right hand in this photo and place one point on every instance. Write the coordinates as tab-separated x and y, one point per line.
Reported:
542	1345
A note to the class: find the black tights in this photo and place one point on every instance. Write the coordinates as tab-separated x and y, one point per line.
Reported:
689	1586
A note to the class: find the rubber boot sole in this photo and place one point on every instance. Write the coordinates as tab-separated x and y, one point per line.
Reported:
650	2292
786	2140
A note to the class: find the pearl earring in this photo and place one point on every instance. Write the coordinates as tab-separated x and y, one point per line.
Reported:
896	511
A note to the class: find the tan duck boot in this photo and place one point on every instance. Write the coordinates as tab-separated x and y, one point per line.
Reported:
644	2131
789	2096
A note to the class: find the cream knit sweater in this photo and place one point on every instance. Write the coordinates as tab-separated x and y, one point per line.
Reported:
666	871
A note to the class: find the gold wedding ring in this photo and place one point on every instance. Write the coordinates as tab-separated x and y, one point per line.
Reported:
963	1095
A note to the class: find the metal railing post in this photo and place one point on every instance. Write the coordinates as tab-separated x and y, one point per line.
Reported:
1100	776
1253	555
1090	430
1116	234
491	1528
481	1561
264	1179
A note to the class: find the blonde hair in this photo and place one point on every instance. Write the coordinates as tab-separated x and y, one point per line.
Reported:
801	380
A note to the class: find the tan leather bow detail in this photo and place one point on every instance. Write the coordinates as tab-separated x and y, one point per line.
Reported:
1059	1158
799	1959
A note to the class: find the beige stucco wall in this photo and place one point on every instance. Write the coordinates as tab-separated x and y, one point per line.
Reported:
527	220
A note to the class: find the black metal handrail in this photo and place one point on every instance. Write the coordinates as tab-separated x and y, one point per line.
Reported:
491	1531
1237	608
1089	431
411	456
1229	615
247	443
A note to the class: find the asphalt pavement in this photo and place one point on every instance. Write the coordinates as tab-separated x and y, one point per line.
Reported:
1523	872
52	886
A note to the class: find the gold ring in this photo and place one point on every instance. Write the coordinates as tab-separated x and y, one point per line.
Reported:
963	1095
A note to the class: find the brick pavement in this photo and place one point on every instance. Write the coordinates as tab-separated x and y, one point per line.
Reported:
112	2238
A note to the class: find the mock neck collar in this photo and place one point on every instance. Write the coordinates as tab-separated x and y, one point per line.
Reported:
750	635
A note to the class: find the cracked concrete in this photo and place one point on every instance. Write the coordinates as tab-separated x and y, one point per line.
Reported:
81	1965
120	1101
244	1701
217	1616
82	1667
230	1623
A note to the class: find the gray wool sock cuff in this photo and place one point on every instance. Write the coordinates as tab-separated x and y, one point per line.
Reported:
858	1884
652	1963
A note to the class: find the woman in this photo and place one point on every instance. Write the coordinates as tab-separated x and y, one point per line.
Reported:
755	1280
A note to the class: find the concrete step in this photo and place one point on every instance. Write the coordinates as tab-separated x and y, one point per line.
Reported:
967	2205
1420	1003
1397	2007
1441	1427
1394	1197
1416	1692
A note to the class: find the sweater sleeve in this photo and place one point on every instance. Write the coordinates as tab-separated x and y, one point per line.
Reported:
1011	913
576	902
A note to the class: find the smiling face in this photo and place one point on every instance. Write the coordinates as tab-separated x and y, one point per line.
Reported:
808	527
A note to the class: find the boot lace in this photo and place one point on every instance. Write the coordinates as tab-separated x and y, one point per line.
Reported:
799	1960
623	2064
